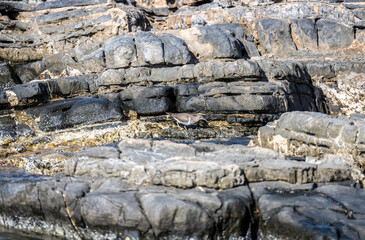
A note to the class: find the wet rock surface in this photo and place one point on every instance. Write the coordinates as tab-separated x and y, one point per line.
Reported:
84	91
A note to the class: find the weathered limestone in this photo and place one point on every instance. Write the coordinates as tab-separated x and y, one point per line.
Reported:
84	91
200	164
309	210
71	21
315	134
128	211
147	101
130	189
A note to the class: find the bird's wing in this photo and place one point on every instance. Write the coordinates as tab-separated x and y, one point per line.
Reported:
181	116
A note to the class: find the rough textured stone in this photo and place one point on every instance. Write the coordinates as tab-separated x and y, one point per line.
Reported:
149	49
71	67
175	50
304	34
7	77
214	42
185	166
234	97
128	212
147	100
28	72
314	134
275	36
287	210
120	52
76	111
328	33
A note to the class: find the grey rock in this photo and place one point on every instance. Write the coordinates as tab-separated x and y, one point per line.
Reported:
134	75
28	94
275	36
28	72
328	33
176	51
103	152
7	77
144	162
223	39
57	63
7	130
324	69
147	100
304	33
120	51
149	48
23	130
347	67
66	3
112	77
240	69
16	192
74	86
83	50
234	97
169	214
59	16
139	213
313	134
308	212
322	10
114	210
360	14
92	111
76	111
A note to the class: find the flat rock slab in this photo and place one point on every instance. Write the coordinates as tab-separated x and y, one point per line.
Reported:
288	211
110	208
197	163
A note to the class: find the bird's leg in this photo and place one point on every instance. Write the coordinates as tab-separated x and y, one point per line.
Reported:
178	124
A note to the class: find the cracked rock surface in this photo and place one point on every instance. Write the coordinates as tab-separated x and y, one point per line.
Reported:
88	151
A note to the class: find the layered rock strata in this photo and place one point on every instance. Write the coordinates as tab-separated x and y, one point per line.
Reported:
146	189
316	135
77	74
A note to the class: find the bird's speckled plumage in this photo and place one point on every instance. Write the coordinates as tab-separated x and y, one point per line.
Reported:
186	119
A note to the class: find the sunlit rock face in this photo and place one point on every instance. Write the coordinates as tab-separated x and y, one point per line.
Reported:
85	87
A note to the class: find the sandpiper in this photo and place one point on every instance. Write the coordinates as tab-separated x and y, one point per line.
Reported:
186	119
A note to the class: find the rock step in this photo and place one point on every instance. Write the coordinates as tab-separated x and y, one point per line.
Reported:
46	204
309	210
131	212
36	34
286	28
167	163
289	78
316	134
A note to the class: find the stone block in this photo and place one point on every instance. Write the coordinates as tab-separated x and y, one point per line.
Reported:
111	77
150	50
329	32
148	100
120	52
7	77
304	34
75	111
275	36
28	72
120	210
176	52
167	213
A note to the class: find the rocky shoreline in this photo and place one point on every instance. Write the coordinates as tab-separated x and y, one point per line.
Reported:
84	91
